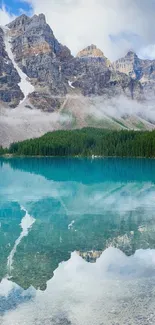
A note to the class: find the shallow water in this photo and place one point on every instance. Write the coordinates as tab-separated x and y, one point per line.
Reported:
77	241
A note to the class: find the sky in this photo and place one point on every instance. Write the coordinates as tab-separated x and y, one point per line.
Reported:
16	7
115	26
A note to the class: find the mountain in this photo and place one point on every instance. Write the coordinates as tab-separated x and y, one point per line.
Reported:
93	52
40	76
52	70
138	69
10	91
40	56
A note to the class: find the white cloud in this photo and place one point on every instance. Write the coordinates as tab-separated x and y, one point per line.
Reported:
148	52
5	16
78	23
116	288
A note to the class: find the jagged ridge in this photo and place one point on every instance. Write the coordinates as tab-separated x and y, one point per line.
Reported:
138	69
54	72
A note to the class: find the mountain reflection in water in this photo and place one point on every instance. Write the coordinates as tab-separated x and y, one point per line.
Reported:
52	211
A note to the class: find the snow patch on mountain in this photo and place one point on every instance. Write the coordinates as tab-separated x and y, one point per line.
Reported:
70	84
25	85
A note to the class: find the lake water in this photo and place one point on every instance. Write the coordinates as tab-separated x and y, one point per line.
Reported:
77	241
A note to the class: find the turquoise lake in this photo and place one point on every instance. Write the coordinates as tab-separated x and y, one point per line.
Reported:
77	241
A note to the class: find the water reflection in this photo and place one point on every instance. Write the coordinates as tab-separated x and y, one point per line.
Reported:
50	208
115	290
103	211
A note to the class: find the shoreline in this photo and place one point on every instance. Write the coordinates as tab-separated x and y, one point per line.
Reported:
11	156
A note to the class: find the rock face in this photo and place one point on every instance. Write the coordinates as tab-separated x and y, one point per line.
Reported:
9	90
91	51
138	69
40	57
129	65
54	72
93	75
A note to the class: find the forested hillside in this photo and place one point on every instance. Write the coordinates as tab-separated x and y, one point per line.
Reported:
3	151
88	142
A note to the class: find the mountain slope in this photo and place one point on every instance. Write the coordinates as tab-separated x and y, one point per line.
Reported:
76	112
24	84
10	91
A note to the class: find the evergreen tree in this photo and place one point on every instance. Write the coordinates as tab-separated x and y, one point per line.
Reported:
88	142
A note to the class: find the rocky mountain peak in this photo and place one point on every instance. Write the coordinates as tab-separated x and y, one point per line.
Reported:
131	54
30	53
32	36
23	23
138	69
91	51
19	22
39	19
129	64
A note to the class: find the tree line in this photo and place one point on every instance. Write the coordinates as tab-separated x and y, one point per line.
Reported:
87	142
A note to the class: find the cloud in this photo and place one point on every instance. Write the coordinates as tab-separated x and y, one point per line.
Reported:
114	26
148	52
115	288
119	107
20	124
5	16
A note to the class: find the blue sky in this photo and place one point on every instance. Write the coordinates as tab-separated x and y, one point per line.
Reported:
15	6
